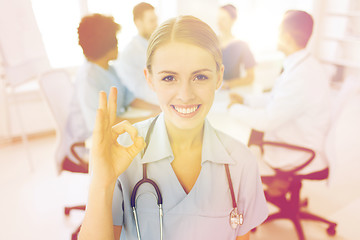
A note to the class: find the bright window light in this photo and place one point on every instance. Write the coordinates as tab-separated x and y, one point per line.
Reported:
58	21
258	21
257	24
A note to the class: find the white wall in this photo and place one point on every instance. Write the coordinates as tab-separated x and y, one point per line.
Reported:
205	10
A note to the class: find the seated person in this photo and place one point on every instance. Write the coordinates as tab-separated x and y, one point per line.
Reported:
237	56
297	110
97	37
131	62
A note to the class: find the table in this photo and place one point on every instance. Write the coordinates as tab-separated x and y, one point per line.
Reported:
220	118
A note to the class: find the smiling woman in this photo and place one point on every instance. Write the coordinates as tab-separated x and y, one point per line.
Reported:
182	90
209	182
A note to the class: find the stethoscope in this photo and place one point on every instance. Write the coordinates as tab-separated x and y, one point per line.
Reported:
236	219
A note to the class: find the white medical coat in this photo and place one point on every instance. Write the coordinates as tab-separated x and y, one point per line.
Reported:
297	111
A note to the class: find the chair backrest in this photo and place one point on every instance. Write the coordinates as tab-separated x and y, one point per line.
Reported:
349	88
58	89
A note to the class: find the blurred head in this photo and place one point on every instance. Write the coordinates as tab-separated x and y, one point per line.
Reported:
184	68
296	29
227	16
97	36
145	19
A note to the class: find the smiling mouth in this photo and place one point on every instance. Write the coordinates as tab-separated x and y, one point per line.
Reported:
186	110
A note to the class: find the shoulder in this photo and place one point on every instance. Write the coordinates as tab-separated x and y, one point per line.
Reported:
239	44
312	68
136	44
89	73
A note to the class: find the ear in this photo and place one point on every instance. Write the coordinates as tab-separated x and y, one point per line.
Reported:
138	24
148	78
220	77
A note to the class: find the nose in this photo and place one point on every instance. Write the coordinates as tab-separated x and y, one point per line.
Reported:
186	91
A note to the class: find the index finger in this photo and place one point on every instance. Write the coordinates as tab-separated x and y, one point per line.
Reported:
112	105
126	126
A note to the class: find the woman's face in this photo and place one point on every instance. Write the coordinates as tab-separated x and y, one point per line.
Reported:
225	22
184	78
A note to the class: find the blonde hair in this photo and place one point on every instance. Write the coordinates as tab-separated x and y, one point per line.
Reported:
186	29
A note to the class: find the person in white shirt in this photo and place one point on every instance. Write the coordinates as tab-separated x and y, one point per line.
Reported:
297	110
131	62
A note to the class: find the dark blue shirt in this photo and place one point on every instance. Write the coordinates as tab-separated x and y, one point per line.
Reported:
236	56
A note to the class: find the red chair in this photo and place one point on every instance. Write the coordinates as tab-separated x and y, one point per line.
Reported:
57	89
285	186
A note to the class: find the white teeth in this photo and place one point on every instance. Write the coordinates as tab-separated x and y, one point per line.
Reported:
186	110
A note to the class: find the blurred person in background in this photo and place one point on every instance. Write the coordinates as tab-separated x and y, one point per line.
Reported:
238	60
97	38
297	110
131	62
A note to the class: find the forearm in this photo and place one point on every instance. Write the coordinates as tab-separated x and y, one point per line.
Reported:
98	223
139	103
258	119
238	82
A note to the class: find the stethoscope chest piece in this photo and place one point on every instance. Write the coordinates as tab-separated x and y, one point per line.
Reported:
236	219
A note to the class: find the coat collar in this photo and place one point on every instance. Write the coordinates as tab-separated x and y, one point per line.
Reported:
159	147
213	148
295	59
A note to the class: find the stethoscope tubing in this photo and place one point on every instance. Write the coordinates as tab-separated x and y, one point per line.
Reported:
145	179
139	183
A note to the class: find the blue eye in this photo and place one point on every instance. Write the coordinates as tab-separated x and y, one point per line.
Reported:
168	78
201	77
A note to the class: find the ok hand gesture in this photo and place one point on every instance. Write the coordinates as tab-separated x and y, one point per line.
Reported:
108	158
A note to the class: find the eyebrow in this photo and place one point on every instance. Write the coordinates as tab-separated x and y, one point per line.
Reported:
167	72
195	72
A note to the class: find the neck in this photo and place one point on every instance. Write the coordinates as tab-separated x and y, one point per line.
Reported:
292	47
184	140
226	37
143	34
102	62
227	33
292	51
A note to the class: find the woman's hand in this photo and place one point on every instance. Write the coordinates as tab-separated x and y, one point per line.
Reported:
225	85
108	158
235	99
